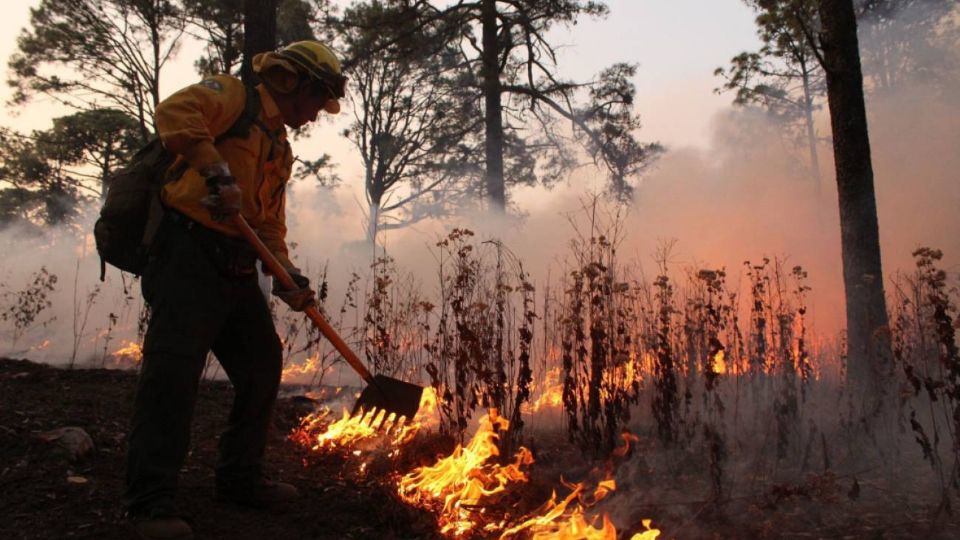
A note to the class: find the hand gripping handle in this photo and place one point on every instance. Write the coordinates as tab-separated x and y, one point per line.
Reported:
280	273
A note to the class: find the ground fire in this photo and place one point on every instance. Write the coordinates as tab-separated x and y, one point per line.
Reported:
130	354
468	490
319	430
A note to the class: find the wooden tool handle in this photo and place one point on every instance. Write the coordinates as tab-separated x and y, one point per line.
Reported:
280	273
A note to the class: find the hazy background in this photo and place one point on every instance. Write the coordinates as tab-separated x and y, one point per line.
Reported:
727	190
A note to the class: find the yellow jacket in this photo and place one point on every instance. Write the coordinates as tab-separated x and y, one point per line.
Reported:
189	121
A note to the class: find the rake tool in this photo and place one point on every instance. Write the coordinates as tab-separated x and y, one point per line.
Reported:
382	393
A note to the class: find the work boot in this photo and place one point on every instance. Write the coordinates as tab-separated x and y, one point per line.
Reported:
257	493
160	524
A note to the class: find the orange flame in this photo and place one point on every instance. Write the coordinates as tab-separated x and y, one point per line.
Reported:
648	534
550	396
306	369
565	520
459	486
719	363
465	478
129	355
317	431
568	519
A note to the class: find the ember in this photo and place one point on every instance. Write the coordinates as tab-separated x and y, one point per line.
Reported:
719	364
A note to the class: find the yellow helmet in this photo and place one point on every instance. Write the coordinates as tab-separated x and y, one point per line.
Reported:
319	62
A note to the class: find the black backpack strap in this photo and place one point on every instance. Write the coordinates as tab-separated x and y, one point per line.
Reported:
249	117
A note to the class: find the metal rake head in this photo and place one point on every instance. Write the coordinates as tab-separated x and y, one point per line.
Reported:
390	395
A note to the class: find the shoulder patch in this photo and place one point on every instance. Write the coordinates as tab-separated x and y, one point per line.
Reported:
212	84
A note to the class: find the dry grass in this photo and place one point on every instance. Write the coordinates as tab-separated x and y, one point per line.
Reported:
717	371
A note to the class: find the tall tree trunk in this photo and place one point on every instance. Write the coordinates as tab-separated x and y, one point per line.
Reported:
105	173
373	225
811	131
156	38
259	33
229	54
152	14
496	191
868	338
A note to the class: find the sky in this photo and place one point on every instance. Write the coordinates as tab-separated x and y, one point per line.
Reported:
677	44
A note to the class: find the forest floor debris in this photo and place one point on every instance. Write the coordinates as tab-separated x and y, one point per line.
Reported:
45	495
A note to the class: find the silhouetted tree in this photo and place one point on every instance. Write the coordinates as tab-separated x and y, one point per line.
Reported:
784	75
904	40
95	53
294	20
219	24
417	128
48	173
259	33
868	333
514	63
533	124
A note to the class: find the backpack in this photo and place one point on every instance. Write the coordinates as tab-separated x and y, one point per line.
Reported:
132	211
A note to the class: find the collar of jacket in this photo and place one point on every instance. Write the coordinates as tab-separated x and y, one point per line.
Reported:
271	113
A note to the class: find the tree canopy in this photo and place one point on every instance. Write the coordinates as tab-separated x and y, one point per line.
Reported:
98	53
496	59
455	102
784	76
49	173
415	125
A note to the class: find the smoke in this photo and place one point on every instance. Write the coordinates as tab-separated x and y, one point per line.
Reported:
748	195
77	318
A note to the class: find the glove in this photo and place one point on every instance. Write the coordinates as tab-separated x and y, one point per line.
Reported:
223	200
298	299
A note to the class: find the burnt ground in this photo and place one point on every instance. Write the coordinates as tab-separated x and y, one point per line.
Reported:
38	500
43	495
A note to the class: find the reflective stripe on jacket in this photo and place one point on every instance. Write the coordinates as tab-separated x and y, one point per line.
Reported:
188	122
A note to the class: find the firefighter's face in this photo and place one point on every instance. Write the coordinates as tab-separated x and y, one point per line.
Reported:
307	103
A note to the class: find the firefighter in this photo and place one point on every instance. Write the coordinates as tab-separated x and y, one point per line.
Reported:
202	284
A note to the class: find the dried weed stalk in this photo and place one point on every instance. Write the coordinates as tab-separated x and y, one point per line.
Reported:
925	348
600	375
480	350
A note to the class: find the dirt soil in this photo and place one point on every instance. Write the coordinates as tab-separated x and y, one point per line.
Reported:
43	495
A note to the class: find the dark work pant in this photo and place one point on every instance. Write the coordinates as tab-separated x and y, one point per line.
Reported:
198	306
